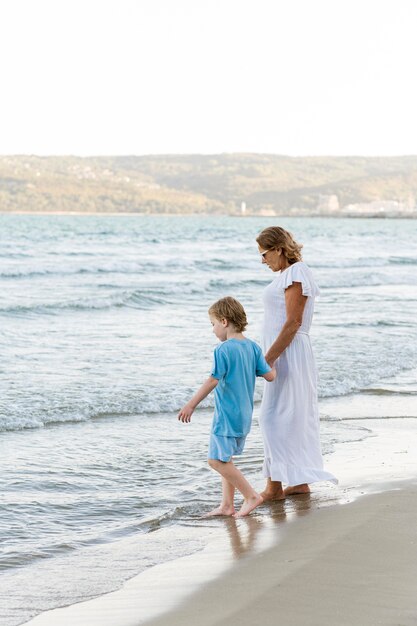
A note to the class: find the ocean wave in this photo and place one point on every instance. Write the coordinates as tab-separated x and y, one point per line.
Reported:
364	418
365	263
374	324
402	260
170	293
57	307
216	283
45	273
381	391
340	384
151	402
133	299
211	264
118	268
339	282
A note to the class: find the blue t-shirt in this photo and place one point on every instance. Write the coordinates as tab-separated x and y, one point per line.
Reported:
237	362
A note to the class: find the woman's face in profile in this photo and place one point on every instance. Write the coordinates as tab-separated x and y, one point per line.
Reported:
272	258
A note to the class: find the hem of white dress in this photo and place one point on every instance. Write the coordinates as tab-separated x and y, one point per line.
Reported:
293	475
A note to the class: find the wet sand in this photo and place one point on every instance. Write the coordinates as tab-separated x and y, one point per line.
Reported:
345	554
341	566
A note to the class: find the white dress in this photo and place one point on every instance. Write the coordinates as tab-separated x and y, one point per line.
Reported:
289	416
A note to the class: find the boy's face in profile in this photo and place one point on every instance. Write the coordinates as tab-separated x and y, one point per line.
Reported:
219	328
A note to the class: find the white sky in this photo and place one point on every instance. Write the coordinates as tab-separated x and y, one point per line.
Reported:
296	77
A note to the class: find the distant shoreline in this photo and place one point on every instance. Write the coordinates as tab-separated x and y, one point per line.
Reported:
134	214
225	184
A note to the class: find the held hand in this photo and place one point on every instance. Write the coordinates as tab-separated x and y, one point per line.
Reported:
185	413
270	376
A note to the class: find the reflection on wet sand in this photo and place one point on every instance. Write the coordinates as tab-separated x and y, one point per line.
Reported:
248	534
300	504
259	531
242	535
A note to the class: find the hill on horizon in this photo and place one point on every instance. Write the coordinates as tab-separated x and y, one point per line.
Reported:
215	184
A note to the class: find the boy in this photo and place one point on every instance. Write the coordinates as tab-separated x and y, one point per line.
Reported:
237	362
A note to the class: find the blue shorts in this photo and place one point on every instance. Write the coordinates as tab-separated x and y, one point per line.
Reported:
223	448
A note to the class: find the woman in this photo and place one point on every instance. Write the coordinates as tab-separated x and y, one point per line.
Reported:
289	415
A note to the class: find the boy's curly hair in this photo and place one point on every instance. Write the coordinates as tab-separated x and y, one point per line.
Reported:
230	309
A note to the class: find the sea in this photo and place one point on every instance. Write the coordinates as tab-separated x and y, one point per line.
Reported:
104	335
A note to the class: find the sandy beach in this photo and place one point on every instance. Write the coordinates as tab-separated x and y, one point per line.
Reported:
344	555
347	565
354	564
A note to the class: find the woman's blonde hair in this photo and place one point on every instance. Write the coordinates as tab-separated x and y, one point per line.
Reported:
231	310
276	237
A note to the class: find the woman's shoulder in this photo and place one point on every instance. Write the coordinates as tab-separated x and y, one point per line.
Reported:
300	272
301	265
293	269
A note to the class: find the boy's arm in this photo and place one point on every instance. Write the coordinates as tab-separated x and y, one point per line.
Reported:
185	413
270	376
264	369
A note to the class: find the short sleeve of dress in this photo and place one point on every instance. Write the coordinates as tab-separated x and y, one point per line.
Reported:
301	273
219	368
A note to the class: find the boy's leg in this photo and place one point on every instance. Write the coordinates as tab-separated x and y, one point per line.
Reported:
234	476
228	494
227	506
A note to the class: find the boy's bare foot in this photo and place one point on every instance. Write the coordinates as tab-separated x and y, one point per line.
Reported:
296	490
221	510
270	496
248	506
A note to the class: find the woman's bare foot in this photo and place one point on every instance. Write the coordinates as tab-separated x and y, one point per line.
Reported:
296	490
248	506
270	496
221	510
273	491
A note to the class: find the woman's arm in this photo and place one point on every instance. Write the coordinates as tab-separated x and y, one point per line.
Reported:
185	413
294	304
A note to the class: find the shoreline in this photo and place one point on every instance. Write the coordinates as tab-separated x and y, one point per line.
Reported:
369	469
